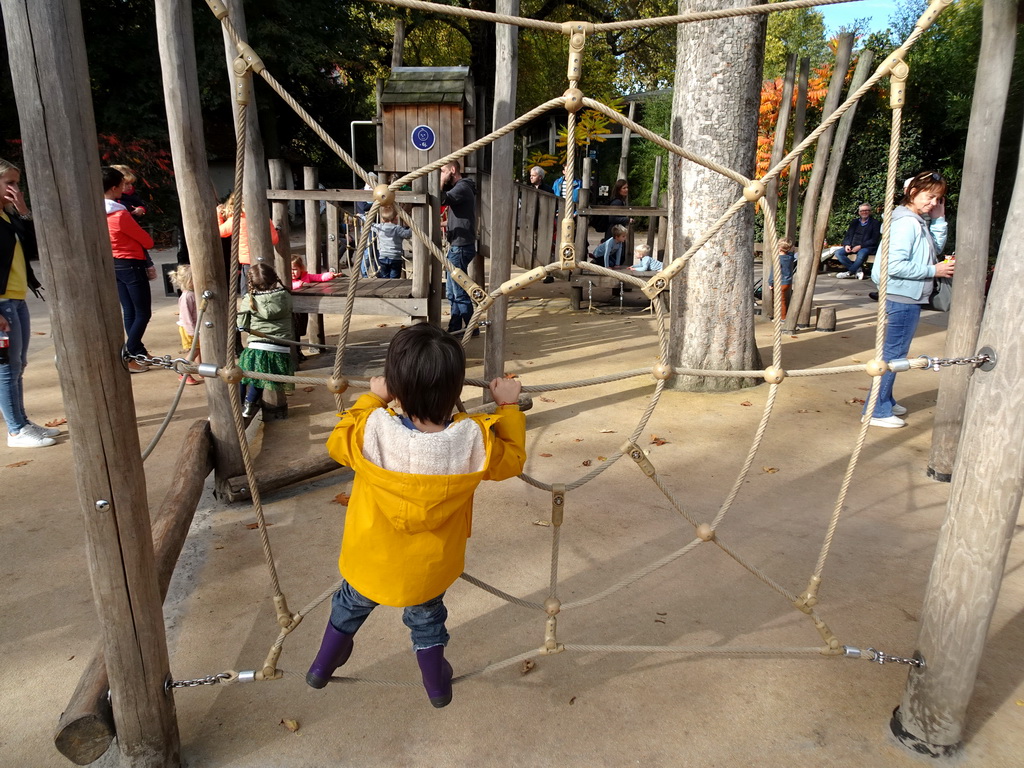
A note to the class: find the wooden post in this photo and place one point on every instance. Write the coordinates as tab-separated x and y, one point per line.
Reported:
198	200
779	144
314	260
984	500
52	91
655	221
799	313
624	152
583	222
502	160
334	235
799	126
436	269
86	726
995	64
254	187
279	217
421	258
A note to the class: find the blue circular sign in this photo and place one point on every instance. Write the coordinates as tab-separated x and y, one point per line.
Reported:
423	137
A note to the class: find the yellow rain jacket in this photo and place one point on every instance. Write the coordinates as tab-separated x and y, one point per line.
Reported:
405	534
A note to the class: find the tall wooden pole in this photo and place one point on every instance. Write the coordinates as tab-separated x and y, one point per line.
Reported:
984	500
781	128
799	127
624	151
502	160
974	223
198	201
255	183
51	85
799	315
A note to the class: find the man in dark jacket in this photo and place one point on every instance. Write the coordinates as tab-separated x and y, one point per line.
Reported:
459	194
861	241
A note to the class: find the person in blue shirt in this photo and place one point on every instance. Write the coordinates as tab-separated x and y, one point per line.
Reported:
861	241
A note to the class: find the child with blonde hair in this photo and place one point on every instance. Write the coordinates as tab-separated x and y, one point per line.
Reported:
643	261
181	278
389	236
611	253
787	261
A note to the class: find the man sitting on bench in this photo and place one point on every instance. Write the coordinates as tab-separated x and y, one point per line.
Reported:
861	241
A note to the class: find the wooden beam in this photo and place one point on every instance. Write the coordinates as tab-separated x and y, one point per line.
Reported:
51	85
86	729
273	478
341	195
197	198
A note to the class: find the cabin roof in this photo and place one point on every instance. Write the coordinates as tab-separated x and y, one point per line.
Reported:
426	85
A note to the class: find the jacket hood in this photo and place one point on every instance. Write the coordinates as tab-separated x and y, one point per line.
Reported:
113	206
902	212
275	304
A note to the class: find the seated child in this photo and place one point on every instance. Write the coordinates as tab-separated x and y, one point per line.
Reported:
643	261
300	277
611	253
787	260
411	507
389	237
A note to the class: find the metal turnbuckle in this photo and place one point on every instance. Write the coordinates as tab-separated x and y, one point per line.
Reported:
880	657
168	362
220	677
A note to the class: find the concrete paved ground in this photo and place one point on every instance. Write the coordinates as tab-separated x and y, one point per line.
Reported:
577	708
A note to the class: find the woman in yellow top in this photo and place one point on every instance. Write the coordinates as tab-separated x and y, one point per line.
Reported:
411	508
17	246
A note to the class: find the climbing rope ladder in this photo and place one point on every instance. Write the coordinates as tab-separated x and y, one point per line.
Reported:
752	193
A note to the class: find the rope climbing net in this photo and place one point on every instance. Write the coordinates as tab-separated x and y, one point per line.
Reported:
751	193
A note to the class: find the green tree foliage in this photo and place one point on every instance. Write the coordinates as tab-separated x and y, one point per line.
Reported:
800	31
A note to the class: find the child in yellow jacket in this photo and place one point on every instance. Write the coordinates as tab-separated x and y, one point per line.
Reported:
411	508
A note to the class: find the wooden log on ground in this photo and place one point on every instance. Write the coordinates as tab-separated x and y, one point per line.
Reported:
826	319
279	476
85	729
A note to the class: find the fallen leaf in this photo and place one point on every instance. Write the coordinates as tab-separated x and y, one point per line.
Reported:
254	526
803	410
794	337
545	399
659	621
546	455
1020	702
72	657
577	439
854	401
341	498
746	403
542	523
864	389
602	458
587	462
769	470
655	440
528	665
382	325
572	701
18	464
219	547
511	375
607	431
291	725
661	613
57	422
855	360
308	389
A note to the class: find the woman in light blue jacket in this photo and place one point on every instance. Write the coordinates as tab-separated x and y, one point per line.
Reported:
914	246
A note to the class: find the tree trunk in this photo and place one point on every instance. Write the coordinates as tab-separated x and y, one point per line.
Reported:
974	223
799	128
715	115
799	315
779	143
984	500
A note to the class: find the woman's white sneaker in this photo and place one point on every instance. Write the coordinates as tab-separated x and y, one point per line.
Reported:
27	438
891	422
898	410
44	431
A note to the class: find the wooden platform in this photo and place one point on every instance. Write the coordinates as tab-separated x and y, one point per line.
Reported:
374	296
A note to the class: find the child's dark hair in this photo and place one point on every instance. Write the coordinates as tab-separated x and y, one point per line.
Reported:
425	369
262	277
111	178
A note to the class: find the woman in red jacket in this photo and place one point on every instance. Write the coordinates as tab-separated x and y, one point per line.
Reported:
132	266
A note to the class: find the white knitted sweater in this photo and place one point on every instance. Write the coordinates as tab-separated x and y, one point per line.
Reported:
457	450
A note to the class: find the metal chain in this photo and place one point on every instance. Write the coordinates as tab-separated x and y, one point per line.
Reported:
195	683
937	363
880	657
171	363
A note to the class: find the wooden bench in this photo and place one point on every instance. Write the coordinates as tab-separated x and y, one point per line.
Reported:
374	296
580	280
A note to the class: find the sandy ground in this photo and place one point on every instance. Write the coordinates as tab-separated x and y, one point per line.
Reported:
579	707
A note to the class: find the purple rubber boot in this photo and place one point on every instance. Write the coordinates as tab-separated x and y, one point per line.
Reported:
437	675
334	651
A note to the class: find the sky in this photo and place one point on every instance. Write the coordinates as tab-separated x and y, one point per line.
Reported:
842	14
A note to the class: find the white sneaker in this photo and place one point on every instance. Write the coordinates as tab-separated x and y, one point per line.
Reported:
26	438
890	422
898	410
860	275
842	275
44	431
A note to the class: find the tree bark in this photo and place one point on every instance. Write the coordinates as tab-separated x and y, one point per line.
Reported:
984	500
799	128
974	223
715	110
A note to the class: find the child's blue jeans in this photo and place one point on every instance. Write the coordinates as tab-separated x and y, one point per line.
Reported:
425	621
